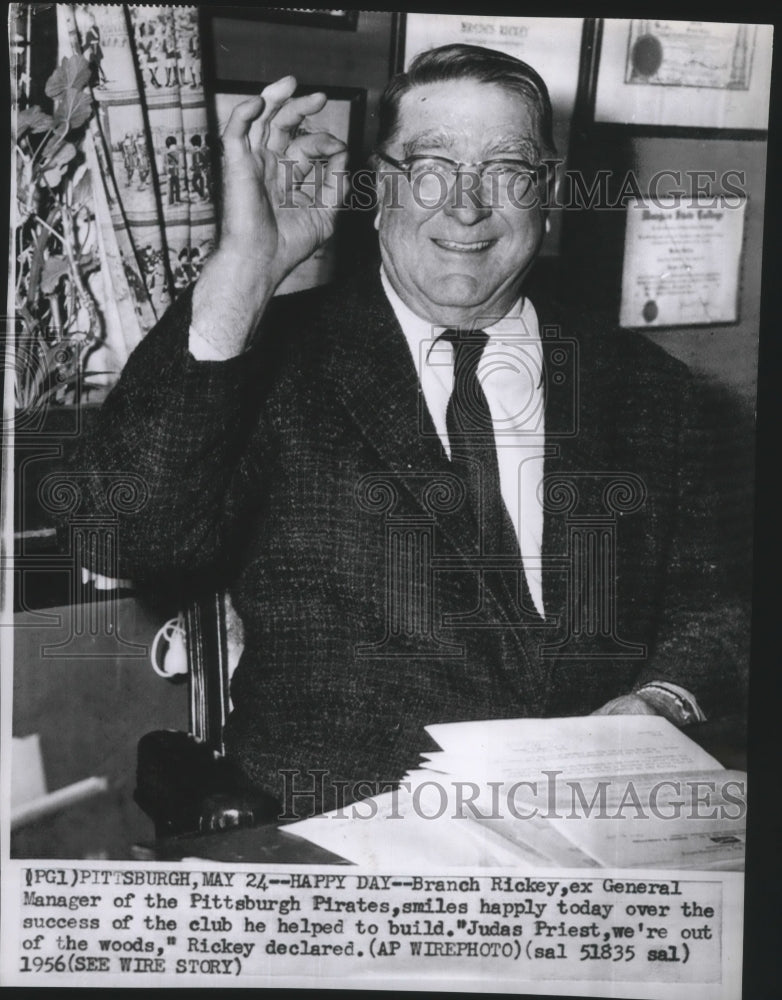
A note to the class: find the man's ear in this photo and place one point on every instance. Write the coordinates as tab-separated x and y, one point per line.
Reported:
551	189
380	193
553	180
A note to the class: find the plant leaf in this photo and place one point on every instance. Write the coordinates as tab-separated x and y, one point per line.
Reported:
54	168
73	71
61	155
33	120
73	108
53	270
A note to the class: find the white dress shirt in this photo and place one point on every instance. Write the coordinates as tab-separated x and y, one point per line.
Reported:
510	371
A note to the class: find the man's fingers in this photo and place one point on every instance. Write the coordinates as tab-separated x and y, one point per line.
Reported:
243	115
277	93
320	181
238	127
260	109
285	123
308	147
317	144
275	96
294	110
270	120
335	192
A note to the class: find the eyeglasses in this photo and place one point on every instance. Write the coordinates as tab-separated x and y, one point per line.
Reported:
433	175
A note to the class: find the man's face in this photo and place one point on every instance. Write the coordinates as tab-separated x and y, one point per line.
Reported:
461	259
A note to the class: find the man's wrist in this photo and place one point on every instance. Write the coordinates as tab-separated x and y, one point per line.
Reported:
227	271
202	349
229	299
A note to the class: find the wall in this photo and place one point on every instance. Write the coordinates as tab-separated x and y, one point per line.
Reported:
593	243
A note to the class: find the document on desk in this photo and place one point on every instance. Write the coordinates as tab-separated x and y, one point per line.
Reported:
692	819
391	831
575	747
584	792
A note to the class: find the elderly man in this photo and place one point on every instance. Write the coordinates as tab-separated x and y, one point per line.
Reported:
434	495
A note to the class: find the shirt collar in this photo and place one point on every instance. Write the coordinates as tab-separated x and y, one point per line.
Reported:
520	321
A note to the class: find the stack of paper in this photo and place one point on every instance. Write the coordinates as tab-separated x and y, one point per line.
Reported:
597	791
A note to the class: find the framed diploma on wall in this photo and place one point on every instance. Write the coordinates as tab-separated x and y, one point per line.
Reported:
682	261
691	74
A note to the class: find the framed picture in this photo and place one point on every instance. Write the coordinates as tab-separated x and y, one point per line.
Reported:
682	262
694	74
343	20
343	116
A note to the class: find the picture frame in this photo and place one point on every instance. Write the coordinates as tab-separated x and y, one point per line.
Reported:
653	73
682	262
309	17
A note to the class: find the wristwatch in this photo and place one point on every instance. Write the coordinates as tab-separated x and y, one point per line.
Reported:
672	702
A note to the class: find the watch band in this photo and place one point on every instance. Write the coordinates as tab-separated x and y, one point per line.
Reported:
673	703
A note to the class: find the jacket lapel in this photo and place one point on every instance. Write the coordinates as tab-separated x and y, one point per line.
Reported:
379	388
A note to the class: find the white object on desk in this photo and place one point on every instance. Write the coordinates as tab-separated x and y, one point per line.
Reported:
60	799
29	799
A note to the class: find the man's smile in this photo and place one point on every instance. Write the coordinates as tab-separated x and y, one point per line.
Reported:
457	246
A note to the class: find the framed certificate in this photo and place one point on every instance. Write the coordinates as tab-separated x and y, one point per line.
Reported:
682	261
696	74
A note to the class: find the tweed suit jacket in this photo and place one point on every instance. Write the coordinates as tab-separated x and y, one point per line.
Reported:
307	476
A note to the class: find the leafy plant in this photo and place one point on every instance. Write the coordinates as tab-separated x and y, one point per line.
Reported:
54	234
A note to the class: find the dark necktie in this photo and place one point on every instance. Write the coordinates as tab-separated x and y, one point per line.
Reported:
471	436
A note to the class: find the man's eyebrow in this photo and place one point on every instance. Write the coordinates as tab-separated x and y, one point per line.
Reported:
516	144
509	144
430	139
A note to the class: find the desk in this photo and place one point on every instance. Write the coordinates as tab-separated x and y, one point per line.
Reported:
724	739
260	845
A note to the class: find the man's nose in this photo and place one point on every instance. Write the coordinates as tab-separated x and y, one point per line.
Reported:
468	201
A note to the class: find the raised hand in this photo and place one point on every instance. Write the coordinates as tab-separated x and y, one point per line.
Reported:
267	214
280	201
